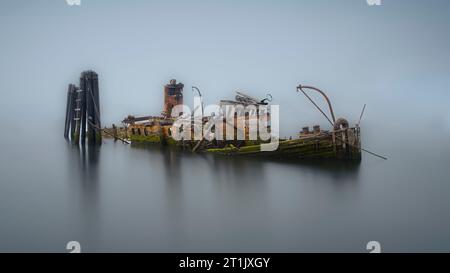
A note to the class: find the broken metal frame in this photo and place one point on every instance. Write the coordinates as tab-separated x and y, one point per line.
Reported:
333	123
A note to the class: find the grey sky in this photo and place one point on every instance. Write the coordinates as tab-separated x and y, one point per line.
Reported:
391	57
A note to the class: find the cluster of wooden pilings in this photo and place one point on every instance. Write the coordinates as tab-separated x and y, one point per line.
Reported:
83	111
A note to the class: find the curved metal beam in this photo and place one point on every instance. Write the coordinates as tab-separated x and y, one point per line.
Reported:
333	119
200	95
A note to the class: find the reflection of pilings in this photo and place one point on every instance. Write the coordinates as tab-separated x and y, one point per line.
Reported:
83	111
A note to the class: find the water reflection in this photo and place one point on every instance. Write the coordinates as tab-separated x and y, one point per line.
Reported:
243	170
149	198
177	198
85	193
337	171
84	164
171	160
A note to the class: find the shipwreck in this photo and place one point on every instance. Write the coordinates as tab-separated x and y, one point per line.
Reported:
340	141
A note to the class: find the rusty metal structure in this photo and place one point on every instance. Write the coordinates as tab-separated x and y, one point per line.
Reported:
341	142
173	96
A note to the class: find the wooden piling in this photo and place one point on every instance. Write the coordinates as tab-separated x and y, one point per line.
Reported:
69	109
83	116
89	81
72	112
78	117
66	123
98	133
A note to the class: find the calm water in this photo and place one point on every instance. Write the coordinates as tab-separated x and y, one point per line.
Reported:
124	198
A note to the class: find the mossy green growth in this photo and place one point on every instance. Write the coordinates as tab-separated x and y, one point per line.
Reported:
153	139
230	148
98	138
170	141
75	138
149	138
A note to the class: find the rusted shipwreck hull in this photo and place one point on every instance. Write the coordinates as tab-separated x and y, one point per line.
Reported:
342	144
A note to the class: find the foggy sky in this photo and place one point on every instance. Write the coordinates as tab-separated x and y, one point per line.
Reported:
394	57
